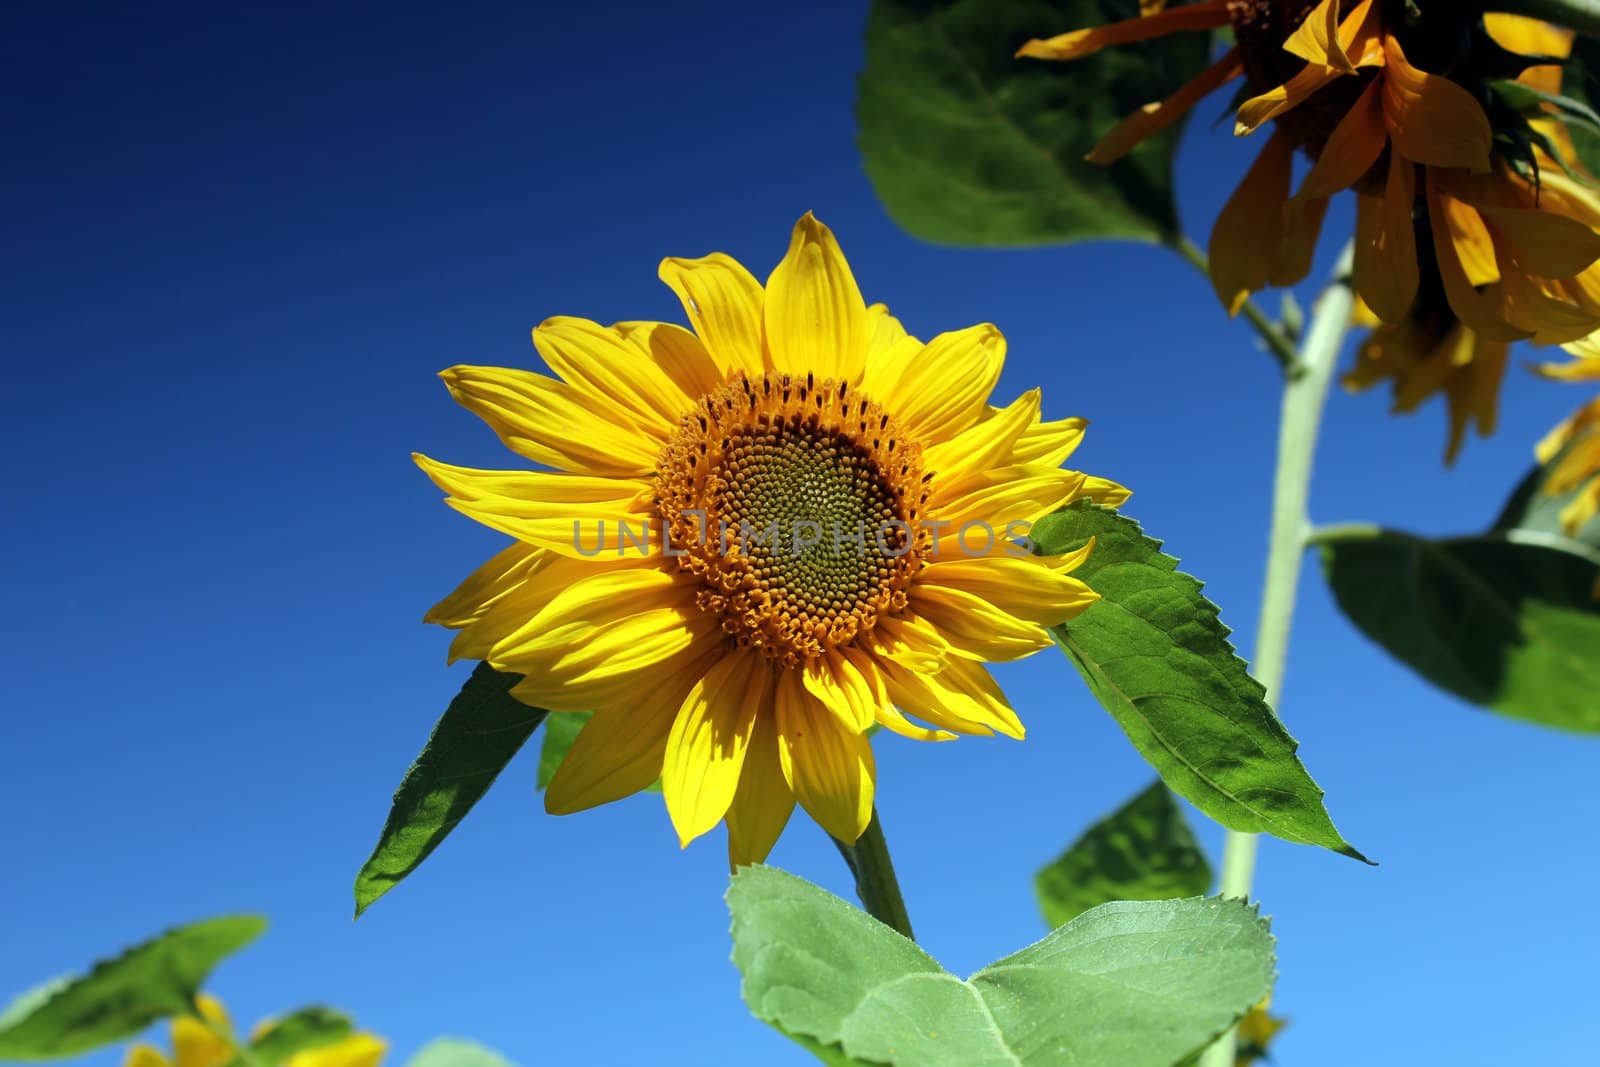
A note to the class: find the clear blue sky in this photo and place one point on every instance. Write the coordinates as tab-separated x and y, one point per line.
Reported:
240	243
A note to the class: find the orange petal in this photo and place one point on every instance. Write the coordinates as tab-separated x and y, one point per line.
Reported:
1431	119
1479	311
1317	39
1079	43
1248	232
1352	149
1386	273
1541	242
1275	101
1157	116
1302	227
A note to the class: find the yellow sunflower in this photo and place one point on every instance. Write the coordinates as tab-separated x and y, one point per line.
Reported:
1578	471
195	1043
1458	250
758	540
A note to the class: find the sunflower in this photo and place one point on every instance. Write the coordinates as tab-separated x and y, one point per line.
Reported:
758	540
196	1043
1574	450
1470	233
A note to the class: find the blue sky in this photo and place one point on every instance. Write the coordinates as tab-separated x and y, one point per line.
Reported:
241	243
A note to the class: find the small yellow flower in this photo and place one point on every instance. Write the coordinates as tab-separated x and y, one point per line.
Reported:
745	672
1578	470
1457	254
1256	1031
196	1043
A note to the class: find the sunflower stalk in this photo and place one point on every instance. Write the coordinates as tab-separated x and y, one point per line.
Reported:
1580	15
1304	398
876	884
1277	338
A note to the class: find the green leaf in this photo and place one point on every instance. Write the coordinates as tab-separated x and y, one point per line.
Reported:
480	731
1508	621
299	1031
120	997
1578	83
1142	851
966	144
454	1052
1157	657
1129	984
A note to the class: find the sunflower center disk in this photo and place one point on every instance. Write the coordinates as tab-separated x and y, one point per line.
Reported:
797	504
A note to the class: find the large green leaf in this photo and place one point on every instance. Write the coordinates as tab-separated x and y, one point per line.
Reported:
299	1031
1129	984
966	144
121	996
1156	655
454	1052
480	731
1508	621
1142	851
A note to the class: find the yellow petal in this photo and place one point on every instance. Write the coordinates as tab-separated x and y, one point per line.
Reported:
763	802
1208	15
887	714
145	1056
944	388
974	627
1026	588
1049	443
1352	149
1154	117
357	1050
680	354
1479	312
1249	231
1302	225
707	745
815	320
1386	271
610	373
839	685
998	497
1529	37
985	443
194	1044
550	423
829	768
962	698
490	582
1431	119
1541	242
723	302
1318	39
1259	110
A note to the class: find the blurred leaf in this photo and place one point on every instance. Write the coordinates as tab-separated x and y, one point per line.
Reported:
120	997
299	1031
1157	657
454	1052
1142	851
1507	621
1579	81
1130	984
478	734
966	144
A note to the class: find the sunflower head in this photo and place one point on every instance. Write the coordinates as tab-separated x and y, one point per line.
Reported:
750	543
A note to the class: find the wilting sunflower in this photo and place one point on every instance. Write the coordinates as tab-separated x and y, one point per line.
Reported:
1470	233
745	671
1574	448
195	1043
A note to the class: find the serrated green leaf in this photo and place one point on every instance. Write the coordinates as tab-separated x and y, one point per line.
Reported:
1129	984
479	733
1156	655
454	1052
968	145
1142	851
1507	621
120	997
299	1031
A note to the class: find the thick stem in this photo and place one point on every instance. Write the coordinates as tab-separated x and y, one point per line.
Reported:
1273	335
1304	397
876	884
1581	15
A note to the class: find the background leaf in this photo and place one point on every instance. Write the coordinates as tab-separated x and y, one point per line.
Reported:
454	1052
1132	984
120	997
473	741
966	144
299	1031
1142	851
1508	621
1157	657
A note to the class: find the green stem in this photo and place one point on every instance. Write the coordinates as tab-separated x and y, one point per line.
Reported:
1304	397
1581	15
1273	335
876	884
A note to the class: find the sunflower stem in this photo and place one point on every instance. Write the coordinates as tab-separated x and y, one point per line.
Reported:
1279	344
1304	398
876	884
1580	15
